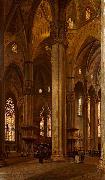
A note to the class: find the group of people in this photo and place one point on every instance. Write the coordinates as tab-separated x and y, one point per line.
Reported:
43	152
79	156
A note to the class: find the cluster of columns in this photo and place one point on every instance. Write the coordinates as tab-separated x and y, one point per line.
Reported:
27	127
58	100
90	137
89	140
57	60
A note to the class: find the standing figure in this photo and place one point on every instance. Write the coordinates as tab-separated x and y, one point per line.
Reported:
41	153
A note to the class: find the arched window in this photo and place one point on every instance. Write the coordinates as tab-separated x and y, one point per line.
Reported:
88	14
42	122
45	123
80	102
70	23
49	123
42	127
9	120
99	123
89	116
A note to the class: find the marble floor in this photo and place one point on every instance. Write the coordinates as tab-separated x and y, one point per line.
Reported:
31	169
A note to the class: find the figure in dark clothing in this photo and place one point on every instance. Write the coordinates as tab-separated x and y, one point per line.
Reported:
41	154
82	156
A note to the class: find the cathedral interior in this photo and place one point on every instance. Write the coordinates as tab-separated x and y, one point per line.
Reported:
50	68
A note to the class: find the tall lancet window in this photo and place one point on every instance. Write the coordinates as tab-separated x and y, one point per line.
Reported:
88	14
80	102
99	123
89	116
42	122
45	122
49	123
9	120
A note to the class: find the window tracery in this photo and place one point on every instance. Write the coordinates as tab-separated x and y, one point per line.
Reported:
88	116
88	14
80	105
9	120
14	48
70	23
99	123
42	127
45	115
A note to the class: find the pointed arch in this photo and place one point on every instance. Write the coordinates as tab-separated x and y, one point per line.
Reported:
89	50
34	8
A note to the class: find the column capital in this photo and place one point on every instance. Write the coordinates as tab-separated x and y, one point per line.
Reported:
58	33
28	62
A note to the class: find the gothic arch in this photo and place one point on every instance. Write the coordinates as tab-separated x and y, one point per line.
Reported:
86	55
34	8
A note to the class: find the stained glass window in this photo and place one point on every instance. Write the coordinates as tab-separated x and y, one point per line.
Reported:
99	123
70	23
42	122
49	123
14	47
88	14
80	106
45	115
9	120
88	116
42	127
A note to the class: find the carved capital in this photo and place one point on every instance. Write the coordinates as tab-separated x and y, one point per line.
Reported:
58	33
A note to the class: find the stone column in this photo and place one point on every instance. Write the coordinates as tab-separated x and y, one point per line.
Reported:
2	88
70	118
27	129
85	117
96	125
68	111
57	58
36	122
19	123
92	121
71	109
103	86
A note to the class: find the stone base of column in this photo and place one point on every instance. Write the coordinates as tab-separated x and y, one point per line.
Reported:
101	165
57	158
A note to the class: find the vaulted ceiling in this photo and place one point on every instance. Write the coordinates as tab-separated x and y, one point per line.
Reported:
28	25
